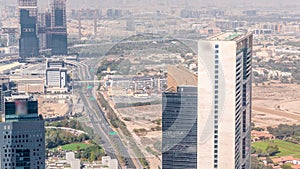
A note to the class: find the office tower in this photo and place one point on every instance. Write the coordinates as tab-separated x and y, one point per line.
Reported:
56	74
28	42
179	126
59	44
224	101
23	139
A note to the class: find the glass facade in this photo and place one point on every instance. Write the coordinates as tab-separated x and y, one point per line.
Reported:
22	136
21	110
59	42
22	145
179	125
243	102
28	43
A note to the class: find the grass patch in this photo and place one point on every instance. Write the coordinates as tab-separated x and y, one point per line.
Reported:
285	148
75	146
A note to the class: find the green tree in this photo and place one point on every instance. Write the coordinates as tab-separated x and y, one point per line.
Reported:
269	160
272	150
286	166
258	151
256	164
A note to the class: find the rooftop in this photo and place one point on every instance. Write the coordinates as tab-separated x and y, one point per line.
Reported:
228	36
19	97
178	76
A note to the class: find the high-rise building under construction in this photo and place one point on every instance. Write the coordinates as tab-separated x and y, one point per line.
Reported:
58	27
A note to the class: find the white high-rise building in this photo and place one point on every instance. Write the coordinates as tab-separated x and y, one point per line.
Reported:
56	74
224	101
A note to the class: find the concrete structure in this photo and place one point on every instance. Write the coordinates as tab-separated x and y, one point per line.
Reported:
224	101
8	50
28	84
56	77
70	158
55	63
70	163
23	138
56	74
10	34
111	163
28	43
179	128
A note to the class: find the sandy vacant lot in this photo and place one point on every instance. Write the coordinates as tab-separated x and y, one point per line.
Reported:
52	108
143	117
276	104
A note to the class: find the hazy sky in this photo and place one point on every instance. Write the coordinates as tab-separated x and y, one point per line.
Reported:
193	3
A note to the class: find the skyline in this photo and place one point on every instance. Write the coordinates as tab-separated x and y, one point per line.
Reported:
113	84
194	3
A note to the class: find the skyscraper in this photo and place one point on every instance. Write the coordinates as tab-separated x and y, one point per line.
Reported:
28	42
224	106
23	135
179	126
4	91
59	44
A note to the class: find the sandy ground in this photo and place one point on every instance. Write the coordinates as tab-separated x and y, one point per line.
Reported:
52	108
276	104
142	117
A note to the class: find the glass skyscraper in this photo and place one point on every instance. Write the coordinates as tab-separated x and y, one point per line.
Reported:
59	43
22	137
28	42
179	127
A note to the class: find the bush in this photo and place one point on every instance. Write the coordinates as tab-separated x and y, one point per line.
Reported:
272	150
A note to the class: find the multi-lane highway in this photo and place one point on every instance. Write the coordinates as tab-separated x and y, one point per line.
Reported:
112	143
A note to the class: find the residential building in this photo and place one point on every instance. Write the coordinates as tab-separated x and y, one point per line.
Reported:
224	101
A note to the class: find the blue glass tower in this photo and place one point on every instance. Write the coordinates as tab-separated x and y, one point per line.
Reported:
59	43
28	42
22	135
179	126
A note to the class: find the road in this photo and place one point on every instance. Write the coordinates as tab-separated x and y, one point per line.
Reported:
111	143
